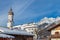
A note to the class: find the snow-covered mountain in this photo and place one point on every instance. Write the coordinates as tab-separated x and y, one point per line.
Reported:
46	20
49	20
41	23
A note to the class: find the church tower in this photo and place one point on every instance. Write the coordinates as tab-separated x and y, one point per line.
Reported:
10	19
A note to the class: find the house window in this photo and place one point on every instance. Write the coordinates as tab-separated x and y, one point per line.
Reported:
10	39
56	32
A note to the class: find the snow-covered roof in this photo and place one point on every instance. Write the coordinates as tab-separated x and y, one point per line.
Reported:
6	36
16	32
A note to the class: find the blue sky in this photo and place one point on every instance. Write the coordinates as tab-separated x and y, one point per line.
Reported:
26	11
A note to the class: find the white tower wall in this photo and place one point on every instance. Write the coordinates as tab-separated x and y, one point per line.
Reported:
10	19
9	25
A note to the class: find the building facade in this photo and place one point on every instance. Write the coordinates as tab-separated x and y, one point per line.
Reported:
55	32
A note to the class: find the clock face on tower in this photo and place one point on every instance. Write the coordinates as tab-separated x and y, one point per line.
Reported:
10	17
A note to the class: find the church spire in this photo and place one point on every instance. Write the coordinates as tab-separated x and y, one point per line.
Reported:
11	12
